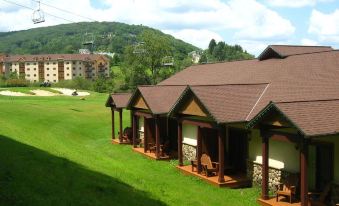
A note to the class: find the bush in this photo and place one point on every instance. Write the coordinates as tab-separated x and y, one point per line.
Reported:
17	83
76	83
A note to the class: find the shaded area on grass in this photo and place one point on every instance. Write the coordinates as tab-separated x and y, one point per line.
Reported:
29	176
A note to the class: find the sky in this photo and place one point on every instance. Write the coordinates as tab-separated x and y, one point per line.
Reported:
253	24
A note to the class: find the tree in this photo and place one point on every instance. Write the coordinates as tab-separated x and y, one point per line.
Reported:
211	46
146	58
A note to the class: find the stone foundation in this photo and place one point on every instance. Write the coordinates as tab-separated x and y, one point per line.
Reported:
276	176
189	152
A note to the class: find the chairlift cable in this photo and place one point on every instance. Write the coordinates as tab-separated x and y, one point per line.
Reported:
49	14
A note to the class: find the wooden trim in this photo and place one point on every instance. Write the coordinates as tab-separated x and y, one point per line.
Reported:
198	123
145	135
180	154
199	149
265	173
120	125
221	144
303	174
113	129
134	129
281	136
157	138
143	114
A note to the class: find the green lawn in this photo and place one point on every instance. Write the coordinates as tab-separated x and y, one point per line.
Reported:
57	151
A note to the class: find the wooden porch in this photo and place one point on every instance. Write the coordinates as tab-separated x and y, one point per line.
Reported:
231	181
117	141
150	155
273	202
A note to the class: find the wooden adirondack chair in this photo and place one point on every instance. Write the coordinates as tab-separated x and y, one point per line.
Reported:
319	198
288	188
208	166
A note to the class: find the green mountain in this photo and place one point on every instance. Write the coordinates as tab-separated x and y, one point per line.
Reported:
69	38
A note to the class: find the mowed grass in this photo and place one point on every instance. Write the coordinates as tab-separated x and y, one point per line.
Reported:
57	151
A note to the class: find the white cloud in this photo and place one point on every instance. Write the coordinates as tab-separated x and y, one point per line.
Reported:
325	26
200	38
309	42
194	22
295	3
292	3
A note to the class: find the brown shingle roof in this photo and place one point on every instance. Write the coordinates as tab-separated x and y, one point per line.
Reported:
295	78
313	117
229	103
161	99
282	51
54	57
288	50
118	100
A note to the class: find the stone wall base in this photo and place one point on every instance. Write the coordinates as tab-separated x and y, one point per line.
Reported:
276	176
189	152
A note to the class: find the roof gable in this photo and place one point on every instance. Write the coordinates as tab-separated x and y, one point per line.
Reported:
283	51
311	118
192	107
158	99
118	100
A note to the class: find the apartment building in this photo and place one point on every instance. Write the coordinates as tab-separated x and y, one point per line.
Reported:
55	67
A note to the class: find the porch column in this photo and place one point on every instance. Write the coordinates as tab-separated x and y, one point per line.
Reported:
120	125
180	156
221	143
134	129
145	135
113	134
303	173
265	173
157	138
199	150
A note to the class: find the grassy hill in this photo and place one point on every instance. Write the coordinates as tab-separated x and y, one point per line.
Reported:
68	38
57	151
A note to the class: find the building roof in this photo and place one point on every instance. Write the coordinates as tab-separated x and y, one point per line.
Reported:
312	118
118	100
229	103
54	57
300	74
159	99
282	51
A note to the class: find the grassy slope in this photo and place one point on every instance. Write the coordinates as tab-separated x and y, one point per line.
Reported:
57	151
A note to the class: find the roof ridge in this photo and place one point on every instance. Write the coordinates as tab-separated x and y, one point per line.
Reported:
213	85
220	62
289	45
315	52
299	101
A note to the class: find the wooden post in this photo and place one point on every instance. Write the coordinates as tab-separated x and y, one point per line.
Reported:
265	156
221	143
113	130
145	135
157	137
120	125
180	155
199	148
303	173
134	129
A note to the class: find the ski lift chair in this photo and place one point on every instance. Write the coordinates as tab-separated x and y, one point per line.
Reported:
38	16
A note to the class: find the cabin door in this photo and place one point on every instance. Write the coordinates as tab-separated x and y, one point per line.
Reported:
324	165
237	150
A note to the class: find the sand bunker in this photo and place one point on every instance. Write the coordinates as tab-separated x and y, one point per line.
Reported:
16	94
69	92
40	92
